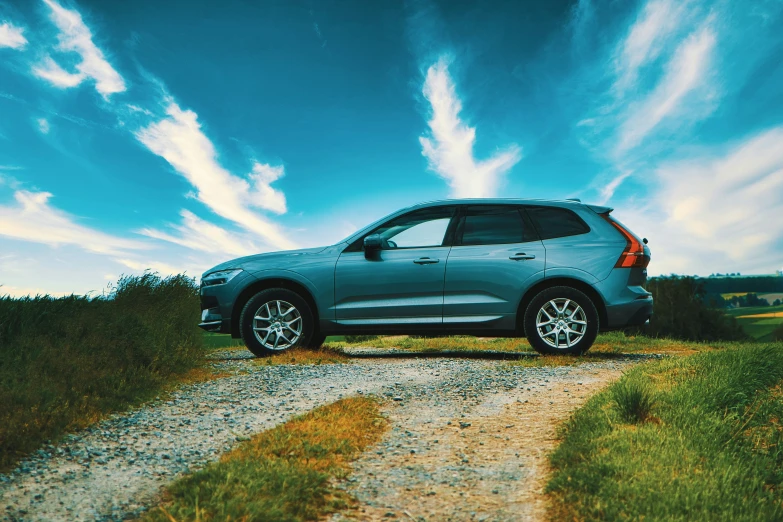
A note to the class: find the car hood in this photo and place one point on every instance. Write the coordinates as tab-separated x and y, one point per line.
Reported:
259	261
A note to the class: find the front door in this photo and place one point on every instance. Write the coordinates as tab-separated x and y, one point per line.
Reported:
496	257
402	283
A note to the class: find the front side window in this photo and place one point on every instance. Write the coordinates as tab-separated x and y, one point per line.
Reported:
492	225
421	228
552	222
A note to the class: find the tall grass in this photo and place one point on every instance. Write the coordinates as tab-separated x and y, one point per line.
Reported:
65	362
714	452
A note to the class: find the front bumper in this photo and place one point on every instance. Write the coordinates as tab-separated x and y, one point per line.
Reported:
217	303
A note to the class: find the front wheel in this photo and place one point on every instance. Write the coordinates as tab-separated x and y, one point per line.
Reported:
275	320
561	320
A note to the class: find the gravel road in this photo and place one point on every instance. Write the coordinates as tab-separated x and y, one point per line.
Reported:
117	468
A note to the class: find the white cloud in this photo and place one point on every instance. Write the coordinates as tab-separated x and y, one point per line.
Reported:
716	211
43	125
51	71
449	150
34	219
608	190
197	234
179	140
12	36
262	193
162	268
74	36
684	73
655	23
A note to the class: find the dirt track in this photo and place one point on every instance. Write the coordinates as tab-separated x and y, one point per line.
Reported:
116	469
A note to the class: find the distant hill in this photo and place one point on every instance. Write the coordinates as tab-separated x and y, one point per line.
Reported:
742	284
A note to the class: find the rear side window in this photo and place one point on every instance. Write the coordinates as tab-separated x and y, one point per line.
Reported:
552	222
493	225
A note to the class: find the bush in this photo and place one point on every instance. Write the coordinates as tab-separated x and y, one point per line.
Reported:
64	362
680	312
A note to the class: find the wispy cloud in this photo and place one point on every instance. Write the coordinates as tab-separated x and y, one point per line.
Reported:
684	73
657	20
449	149
12	36
717	210
43	125
608	190
51	71
198	234
74	36
179	140
34	219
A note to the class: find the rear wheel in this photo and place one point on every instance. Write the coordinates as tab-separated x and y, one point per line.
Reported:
561	320
275	320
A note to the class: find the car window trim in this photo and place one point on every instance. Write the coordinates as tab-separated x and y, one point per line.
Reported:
538	232
526	224
358	245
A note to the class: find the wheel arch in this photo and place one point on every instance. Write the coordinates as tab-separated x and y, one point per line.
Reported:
586	288
264	284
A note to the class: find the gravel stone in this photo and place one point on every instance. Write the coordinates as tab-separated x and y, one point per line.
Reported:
137	453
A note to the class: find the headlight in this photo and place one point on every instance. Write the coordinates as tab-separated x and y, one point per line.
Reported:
220	277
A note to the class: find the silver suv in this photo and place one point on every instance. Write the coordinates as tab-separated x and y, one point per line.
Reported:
555	272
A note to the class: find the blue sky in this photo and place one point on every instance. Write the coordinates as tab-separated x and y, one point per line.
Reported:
176	135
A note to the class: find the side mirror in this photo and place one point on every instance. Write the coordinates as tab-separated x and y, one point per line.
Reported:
372	242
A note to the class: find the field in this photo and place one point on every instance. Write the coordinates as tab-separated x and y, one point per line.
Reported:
692	438
757	321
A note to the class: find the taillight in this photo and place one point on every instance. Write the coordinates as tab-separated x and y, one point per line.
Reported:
633	256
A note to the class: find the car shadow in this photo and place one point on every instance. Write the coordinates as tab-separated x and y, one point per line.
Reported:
489	355
483	354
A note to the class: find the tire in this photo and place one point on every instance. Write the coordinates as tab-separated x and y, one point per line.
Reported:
316	341
278	330
555	334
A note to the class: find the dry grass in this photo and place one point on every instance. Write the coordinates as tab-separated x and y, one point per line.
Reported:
283	474
304	356
436	344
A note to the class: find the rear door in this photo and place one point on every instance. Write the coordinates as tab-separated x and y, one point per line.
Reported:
495	258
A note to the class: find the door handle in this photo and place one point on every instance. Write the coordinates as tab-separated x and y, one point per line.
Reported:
426	261
520	256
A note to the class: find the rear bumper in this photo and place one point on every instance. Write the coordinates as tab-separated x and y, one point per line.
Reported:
634	313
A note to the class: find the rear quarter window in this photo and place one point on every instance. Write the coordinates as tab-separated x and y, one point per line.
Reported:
553	222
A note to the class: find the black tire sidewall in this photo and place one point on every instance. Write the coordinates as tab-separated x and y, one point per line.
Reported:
567	292
274	294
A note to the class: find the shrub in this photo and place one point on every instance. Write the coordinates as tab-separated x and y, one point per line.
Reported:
680	312
66	361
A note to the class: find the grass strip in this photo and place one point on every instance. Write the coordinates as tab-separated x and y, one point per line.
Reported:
323	355
691	438
283	474
67	362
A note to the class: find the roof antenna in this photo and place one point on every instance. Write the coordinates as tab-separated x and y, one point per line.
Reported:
574	199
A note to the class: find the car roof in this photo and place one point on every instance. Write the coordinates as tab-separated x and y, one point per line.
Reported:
498	201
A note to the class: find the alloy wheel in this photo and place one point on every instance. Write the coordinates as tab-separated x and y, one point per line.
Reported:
277	325
561	323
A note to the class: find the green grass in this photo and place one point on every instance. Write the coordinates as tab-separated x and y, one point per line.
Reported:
65	363
687	438
215	341
284	474
760	329
752	310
